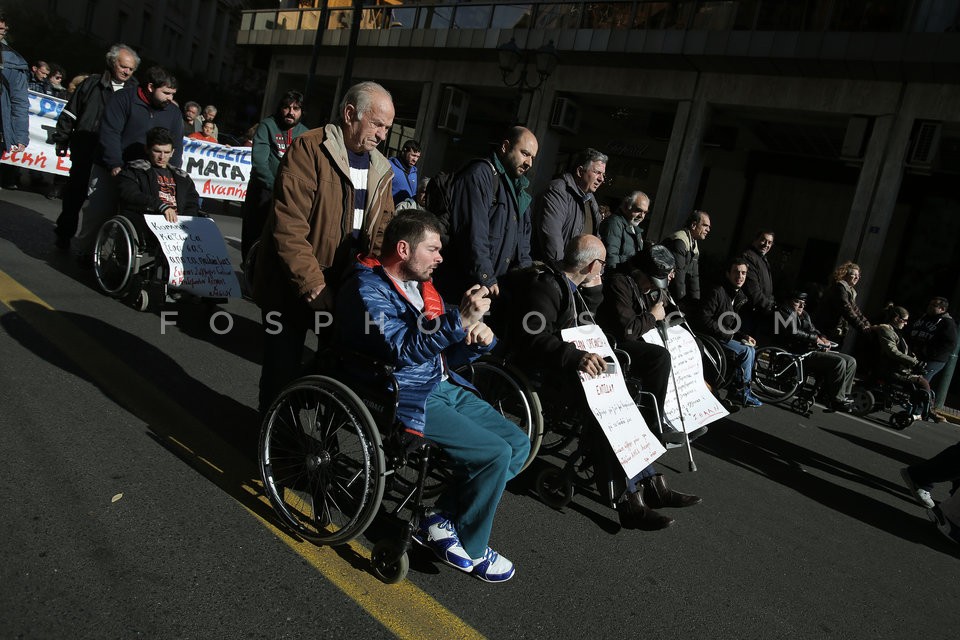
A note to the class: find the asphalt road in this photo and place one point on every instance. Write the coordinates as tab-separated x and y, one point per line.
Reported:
131	505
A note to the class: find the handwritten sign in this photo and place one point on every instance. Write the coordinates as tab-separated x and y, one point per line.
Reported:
616	412
197	256
699	406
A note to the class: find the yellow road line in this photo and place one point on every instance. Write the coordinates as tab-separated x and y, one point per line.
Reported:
405	610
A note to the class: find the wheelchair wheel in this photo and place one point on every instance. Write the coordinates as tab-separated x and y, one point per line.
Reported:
389	561
863	402
901	420
509	392
321	461
715	368
115	256
776	374
554	488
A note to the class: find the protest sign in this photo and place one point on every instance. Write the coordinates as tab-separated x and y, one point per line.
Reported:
610	402
218	171
197	256
699	406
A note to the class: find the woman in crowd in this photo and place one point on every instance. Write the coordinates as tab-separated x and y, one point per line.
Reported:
838	307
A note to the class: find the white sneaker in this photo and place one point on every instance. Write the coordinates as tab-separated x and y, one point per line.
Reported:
922	495
437	533
493	567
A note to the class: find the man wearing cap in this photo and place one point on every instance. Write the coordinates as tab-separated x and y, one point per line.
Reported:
633	304
795	332
546	302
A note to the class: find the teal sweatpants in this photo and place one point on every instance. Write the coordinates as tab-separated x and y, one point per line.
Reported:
485	449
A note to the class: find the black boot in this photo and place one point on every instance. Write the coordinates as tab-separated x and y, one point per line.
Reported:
657	494
634	514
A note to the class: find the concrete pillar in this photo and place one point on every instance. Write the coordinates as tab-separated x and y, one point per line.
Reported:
682	168
875	198
432	140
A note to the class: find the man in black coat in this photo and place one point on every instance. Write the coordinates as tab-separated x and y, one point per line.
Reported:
543	303
795	332
759	285
78	128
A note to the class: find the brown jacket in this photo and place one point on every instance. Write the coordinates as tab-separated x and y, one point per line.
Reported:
307	241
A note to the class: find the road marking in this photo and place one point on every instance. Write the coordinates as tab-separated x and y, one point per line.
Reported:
405	610
878	426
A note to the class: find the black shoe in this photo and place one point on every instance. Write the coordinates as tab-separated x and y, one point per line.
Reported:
62	244
657	495
840	406
634	514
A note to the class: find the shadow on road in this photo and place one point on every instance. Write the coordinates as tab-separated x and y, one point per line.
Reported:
787	463
215	434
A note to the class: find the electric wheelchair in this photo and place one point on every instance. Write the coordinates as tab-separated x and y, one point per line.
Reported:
129	265
332	456
873	394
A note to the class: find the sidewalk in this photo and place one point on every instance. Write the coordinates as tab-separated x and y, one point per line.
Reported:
952	415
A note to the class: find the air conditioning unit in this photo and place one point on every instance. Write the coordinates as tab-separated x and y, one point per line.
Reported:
453	110
565	115
924	144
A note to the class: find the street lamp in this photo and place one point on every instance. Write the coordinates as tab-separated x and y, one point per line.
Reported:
513	63
512	59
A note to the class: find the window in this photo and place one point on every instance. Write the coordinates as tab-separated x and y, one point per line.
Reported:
89	15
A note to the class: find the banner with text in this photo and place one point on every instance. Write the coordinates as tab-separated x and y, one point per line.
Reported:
197	256
700	407
219	172
616	412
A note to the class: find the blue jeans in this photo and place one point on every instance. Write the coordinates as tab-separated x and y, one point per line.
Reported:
933	368
744	357
486	450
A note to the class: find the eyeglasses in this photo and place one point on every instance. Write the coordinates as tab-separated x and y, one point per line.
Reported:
603	263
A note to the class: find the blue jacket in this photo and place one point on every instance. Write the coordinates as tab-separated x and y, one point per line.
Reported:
126	120
14	100
404	182
375	318
489	227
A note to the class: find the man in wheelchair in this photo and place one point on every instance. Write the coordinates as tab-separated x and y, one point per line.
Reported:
634	303
390	310
893	361
545	302
152	186
834	371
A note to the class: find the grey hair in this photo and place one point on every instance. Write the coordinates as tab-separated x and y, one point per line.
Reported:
114	53
579	253
587	157
361	96
191	103
628	200
210	108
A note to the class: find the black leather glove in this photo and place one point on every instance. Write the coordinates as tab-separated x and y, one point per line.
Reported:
61	149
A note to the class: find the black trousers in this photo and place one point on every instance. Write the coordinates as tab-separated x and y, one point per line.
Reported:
256	208
74	192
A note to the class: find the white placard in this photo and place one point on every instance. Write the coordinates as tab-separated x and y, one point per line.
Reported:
700	406
197	256
616	412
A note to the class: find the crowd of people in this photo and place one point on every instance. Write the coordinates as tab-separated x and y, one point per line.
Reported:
322	233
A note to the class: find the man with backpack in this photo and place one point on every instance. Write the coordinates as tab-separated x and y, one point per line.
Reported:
486	209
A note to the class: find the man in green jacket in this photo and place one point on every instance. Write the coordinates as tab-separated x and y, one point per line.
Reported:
273	137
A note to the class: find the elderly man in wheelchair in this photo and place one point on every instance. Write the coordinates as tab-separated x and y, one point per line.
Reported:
127	255
545	301
389	310
801	349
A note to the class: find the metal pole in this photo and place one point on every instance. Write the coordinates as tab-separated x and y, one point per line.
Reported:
346	77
